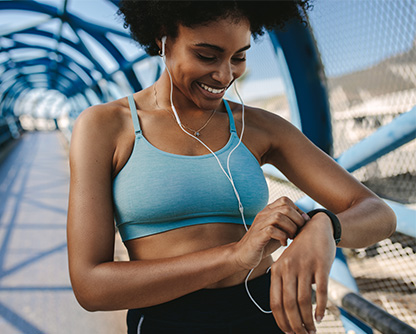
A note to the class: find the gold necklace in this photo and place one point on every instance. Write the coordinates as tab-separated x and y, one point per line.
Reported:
196	133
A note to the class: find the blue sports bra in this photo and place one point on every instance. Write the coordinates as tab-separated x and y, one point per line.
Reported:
157	191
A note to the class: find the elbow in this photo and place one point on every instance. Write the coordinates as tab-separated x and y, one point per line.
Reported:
387	218
87	300
392	221
88	293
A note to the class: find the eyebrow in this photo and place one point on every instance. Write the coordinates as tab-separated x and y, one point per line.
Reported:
220	49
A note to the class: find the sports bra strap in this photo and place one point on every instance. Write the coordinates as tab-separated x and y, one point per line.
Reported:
134	115
230	116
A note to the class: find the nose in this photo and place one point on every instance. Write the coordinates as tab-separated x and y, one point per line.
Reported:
224	73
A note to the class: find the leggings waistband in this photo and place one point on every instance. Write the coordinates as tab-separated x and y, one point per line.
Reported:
223	303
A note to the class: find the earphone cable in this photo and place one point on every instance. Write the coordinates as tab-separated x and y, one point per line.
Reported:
228	175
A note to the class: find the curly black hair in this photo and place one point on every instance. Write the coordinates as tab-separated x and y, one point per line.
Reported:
150	20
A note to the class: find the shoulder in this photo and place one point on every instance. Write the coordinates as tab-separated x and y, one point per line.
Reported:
105	118
260	118
268	125
264	131
99	128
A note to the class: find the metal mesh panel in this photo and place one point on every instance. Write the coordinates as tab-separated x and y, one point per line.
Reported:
368	49
386	274
369	53
371	74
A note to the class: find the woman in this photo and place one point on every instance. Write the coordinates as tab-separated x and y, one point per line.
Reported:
171	170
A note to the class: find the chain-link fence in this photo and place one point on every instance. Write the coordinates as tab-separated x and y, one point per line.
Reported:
368	50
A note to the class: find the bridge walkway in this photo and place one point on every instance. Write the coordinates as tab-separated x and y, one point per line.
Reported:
35	291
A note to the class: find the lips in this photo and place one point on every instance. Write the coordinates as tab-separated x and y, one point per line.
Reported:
211	89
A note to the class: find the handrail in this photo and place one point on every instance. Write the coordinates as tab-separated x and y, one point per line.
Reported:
366	311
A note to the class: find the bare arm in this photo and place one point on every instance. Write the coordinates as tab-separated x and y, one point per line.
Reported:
364	217
98	282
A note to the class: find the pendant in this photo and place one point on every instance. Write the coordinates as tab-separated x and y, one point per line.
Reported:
196	134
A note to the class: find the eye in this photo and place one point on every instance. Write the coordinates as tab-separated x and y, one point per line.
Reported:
205	58
242	59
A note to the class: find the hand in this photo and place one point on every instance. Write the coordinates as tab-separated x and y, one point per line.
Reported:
307	260
271	228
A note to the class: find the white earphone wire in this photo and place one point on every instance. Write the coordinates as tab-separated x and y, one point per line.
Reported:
228	175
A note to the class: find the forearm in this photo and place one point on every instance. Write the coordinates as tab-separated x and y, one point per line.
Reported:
135	284
365	223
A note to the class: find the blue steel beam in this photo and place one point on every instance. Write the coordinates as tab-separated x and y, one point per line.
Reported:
386	139
406	218
46	34
64	66
67	87
12	89
27	63
296	49
28	79
51	11
31	6
97	32
76	47
310	112
65	62
383	141
58	36
100	36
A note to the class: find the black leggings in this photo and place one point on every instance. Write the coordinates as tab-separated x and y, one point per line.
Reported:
214	311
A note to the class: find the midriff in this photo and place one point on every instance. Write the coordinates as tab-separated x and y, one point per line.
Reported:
191	239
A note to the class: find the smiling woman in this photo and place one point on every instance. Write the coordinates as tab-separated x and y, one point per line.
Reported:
178	167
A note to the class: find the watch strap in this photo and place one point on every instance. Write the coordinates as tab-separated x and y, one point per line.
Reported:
334	220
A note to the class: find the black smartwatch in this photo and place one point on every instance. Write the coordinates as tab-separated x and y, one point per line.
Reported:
334	220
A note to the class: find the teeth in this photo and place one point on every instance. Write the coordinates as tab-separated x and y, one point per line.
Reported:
211	90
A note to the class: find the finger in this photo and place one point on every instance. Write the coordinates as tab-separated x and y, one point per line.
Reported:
275	233
287	201
284	223
321	281
276	304
288	208
282	201
285	218
290	304
294	215
305	303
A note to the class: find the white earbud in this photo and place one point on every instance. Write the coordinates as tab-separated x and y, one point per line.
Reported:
226	173
163	54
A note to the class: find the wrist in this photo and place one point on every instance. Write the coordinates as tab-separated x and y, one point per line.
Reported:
332	219
234	258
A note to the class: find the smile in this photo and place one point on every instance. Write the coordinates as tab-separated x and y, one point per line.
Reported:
210	89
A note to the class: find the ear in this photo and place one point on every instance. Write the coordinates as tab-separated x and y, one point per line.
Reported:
158	42
162	48
158	39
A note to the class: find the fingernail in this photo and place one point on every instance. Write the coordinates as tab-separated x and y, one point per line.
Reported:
312	332
318	319
305	216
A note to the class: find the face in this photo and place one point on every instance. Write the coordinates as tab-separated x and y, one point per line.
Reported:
205	60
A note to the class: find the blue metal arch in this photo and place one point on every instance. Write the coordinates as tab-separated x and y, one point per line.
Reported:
66	61
294	47
305	81
96	32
